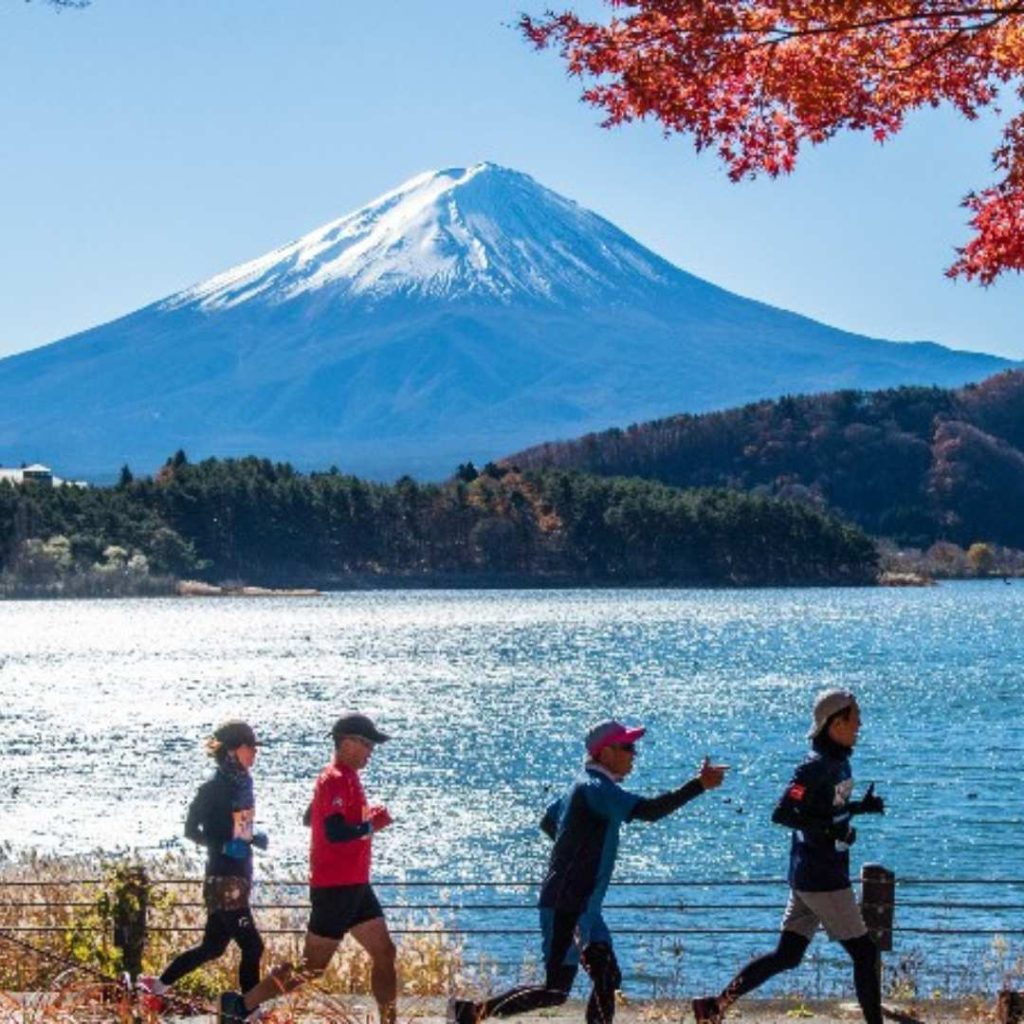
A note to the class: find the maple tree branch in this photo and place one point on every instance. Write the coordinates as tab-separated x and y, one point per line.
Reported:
947	44
779	35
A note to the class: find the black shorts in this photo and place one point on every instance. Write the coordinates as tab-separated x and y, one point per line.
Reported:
336	909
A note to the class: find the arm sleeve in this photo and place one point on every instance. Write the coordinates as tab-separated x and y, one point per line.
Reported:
338	830
209	821
549	823
806	804
657	807
193	820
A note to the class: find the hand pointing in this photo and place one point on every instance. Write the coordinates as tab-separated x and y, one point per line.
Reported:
711	775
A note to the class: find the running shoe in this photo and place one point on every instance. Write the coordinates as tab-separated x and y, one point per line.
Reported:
150	990
231	1008
707	1010
151	1001
152	1004
461	1011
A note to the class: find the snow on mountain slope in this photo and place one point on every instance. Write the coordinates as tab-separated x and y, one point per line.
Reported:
484	231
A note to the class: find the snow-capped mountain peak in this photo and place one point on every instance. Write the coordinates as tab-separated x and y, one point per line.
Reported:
467	314
483	231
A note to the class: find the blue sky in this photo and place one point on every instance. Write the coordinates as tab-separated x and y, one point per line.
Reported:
147	144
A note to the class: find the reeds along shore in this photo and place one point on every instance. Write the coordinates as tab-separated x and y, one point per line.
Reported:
58	916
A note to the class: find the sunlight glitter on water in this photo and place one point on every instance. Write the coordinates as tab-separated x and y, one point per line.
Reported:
488	694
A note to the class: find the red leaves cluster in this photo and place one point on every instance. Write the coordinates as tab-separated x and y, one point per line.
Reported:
758	78
997	215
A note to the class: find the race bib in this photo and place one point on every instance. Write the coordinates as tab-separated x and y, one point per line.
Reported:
843	792
242	825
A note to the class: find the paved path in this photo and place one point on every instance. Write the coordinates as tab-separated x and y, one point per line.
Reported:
430	1010
316	1008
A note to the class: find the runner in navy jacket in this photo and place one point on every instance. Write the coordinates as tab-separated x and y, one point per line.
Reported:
220	818
584	825
816	805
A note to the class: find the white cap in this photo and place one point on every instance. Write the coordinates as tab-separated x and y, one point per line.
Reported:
827	704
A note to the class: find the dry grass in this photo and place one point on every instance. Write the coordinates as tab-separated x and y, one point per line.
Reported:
46	907
56	941
56	944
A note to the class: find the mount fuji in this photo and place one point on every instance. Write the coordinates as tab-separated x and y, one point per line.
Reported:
468	313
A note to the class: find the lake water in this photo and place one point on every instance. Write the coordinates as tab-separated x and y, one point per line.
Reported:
488	694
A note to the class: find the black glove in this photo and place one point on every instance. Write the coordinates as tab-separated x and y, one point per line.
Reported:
870	804
841	832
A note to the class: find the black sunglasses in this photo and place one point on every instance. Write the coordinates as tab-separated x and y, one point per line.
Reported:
629	748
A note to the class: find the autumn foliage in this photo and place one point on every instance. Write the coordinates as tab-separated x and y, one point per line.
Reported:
915	464
756	79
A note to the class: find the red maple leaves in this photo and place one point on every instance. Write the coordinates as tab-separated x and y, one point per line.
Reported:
759	78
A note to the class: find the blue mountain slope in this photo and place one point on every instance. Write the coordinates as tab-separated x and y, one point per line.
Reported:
468	313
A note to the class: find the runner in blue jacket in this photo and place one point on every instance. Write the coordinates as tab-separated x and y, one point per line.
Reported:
584	825
816	805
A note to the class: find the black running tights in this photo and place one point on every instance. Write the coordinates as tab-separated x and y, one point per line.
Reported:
598	960
864	954
788	954
221	927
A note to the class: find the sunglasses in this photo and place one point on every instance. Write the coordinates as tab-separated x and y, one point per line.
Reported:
629	748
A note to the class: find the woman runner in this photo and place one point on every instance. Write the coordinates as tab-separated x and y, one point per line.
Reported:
220	818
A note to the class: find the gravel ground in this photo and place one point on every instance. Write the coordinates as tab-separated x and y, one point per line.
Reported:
752	1011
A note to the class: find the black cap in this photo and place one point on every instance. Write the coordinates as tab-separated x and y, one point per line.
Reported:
357	725
235	733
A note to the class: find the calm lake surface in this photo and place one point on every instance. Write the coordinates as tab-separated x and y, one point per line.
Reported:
487	695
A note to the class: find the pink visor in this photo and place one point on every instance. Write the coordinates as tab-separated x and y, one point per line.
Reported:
609	733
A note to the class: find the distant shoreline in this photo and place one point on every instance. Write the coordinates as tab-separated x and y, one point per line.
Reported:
388	582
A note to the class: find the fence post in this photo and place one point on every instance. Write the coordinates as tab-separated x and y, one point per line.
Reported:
1009	1007
131	903
878	905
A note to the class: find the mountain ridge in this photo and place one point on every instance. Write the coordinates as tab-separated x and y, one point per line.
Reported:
467	313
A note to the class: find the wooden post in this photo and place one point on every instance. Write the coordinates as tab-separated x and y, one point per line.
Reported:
878	903
1009	1007
131	903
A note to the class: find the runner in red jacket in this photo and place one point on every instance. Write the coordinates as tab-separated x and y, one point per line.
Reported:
342	900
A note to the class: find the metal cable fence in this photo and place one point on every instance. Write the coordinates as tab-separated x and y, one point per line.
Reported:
950	936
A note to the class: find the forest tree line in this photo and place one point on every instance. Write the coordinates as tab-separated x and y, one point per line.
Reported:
250	520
